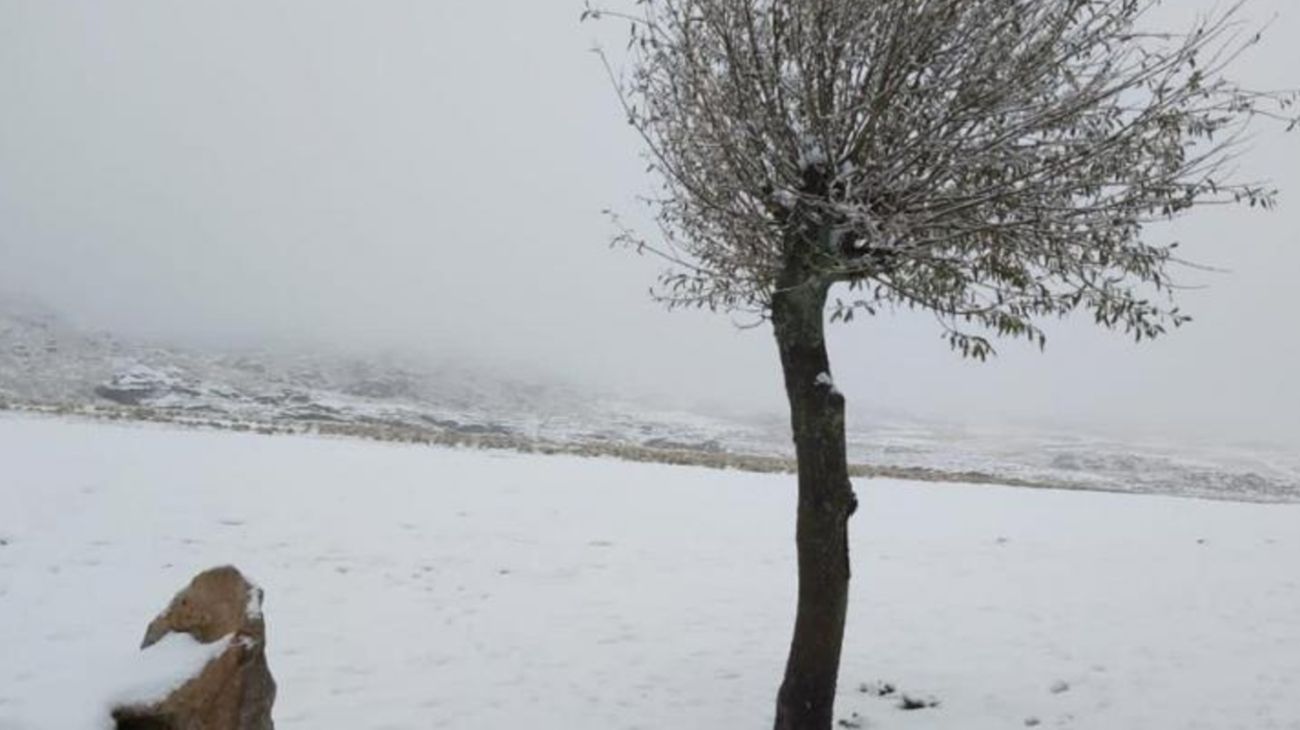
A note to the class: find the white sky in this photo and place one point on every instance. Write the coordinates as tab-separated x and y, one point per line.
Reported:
430	174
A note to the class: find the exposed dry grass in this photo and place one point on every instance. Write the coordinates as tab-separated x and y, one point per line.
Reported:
404	433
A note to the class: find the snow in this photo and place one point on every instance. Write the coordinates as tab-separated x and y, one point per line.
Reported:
150	675
786	198
811	152
825	380
142	376
253	609
416	587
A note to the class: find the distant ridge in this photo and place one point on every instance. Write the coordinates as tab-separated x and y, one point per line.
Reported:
48	366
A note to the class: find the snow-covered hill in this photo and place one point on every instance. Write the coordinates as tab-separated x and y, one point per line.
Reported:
45	361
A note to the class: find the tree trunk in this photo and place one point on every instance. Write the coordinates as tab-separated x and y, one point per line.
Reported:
826	501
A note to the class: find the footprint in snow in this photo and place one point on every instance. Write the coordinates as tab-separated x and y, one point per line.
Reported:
909	703
853	721
876	689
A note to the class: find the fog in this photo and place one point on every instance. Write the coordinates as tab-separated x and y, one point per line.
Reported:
429	176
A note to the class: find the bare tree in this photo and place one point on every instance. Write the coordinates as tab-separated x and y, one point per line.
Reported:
994	162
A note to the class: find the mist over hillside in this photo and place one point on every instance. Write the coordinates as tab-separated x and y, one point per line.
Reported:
46	362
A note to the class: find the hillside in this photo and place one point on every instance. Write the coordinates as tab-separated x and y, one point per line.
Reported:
48	364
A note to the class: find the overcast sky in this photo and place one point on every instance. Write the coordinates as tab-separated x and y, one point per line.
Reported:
429	174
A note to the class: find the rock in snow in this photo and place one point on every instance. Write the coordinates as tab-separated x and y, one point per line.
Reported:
225	683
140	383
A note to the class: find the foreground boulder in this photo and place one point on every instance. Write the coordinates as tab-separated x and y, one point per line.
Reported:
221	611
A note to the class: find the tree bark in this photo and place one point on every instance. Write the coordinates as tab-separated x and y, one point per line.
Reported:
826	501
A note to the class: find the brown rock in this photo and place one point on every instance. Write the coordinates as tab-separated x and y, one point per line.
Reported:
235	690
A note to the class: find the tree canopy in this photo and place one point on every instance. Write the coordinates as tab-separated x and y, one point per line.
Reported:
991	161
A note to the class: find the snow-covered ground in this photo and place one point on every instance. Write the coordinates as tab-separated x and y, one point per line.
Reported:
415	587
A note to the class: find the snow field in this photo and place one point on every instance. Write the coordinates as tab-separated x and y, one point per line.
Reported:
410	587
